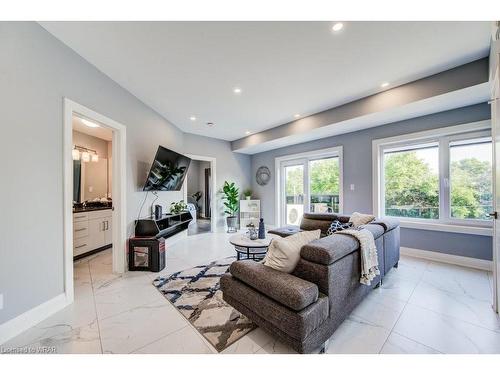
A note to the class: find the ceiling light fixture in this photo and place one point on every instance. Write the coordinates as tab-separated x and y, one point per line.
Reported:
237	90
384	84
248	132
296	115
193	118
338	26
90	124
210	124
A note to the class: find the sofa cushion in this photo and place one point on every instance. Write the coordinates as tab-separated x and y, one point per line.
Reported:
375	229
282	287
358	219
296	324
337	226
387	223
317	221
284	253
285	231
328	249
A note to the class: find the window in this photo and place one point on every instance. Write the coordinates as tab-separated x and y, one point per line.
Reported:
441	176
411	177
309	182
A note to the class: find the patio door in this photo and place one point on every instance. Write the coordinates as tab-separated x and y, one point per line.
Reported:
309	182
495	130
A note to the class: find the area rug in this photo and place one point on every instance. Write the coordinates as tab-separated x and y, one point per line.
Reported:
196	294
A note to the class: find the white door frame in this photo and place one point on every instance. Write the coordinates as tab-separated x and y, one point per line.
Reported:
213	193
118	190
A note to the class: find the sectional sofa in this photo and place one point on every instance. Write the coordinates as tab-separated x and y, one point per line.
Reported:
304	308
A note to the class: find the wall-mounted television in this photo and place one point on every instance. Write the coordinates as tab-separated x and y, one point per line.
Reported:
168	171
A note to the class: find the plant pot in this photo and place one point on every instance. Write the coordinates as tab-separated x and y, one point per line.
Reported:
248	197
232	222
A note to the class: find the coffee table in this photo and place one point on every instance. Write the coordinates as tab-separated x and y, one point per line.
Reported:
252	249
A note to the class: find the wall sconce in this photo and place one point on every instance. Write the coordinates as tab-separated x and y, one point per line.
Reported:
85	154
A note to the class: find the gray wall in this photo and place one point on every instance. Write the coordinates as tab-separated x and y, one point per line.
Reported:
357	148
36	72
230	166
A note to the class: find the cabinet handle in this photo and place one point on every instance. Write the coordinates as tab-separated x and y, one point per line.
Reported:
79	230
107	225
103	226
77	247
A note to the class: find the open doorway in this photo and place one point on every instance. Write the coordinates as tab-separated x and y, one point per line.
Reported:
199	193
94	190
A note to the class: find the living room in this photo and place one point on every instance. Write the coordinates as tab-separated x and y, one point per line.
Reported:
255	210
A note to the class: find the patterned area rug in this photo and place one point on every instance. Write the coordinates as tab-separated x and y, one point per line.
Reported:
196	294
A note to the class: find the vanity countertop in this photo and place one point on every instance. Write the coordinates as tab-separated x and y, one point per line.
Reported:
87	209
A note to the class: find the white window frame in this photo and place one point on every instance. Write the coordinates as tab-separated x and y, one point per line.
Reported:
443	136
300	158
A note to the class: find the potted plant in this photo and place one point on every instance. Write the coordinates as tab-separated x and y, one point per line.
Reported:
231	195
177	207
248	194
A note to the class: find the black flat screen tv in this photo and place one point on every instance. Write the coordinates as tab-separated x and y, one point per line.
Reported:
168	171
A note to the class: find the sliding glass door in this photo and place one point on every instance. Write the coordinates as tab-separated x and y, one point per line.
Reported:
310	184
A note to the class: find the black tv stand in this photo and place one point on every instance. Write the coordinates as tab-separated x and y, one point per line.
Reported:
166	226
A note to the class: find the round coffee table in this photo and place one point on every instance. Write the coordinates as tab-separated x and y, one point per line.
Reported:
252	249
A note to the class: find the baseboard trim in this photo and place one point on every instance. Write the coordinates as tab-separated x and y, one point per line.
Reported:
30	318
481	264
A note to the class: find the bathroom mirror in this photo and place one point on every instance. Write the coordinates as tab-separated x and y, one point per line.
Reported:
91	180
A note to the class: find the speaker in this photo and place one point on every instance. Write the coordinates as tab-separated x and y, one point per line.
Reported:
158	212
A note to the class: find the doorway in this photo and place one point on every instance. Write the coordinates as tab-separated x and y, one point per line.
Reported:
94	188
199	193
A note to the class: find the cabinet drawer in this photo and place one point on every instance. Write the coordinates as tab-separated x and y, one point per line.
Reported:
99	214
81	216
80	246
80	229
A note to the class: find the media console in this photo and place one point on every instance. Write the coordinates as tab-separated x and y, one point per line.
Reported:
166	226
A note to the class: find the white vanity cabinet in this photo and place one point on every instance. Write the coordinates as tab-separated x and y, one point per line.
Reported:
91	231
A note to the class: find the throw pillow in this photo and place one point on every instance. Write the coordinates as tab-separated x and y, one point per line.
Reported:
358	219
337	226
284	253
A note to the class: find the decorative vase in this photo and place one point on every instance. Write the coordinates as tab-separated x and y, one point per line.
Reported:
252	233
262	229
231	224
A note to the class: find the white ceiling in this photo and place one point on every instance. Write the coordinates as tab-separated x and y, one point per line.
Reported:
99	132
182	69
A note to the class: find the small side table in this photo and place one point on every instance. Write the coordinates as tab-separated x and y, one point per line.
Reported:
251	249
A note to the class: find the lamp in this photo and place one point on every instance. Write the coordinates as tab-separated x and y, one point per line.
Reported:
95	158
76	154
85	156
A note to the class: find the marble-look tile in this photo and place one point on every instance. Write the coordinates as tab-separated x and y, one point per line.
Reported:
84	340
250	343
125	294
140	326
379	309
446	334
410	268
184	341
397	344
396	287
460	280
276	347
459	306
357	336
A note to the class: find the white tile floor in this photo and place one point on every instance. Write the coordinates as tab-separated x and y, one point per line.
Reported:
423	307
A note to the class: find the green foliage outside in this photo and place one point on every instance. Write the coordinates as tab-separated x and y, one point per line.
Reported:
324	176
412	188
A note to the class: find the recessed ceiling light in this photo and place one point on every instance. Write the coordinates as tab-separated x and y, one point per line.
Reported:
237	90
90	124
193	118
384	84
210	124
296	115
248	132
338	26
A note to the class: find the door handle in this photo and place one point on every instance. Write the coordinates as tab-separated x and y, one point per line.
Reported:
494	215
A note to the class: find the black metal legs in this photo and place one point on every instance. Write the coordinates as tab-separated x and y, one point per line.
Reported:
396	265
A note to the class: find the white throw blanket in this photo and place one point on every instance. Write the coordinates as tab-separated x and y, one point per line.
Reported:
369	260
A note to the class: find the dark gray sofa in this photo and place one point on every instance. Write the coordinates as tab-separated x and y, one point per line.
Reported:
304	308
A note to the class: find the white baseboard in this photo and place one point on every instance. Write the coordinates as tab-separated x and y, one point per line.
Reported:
30	318
481	264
